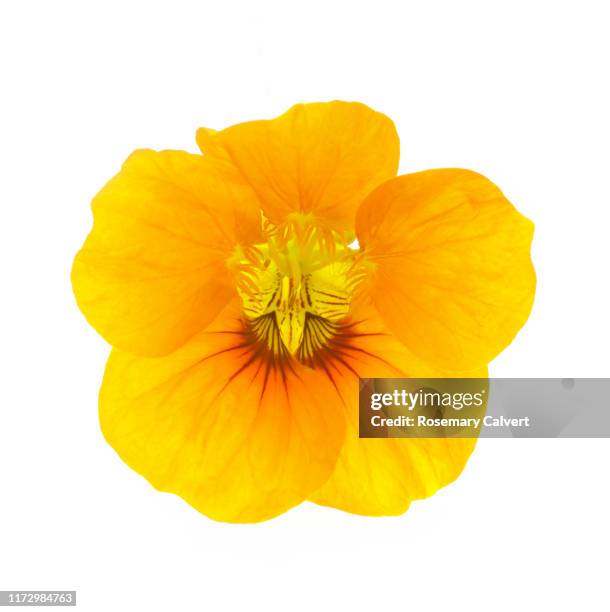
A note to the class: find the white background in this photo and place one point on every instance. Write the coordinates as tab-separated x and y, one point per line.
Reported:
515	90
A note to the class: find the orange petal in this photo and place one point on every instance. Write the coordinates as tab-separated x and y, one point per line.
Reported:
152	271
382	476
452	275
213	424
321	158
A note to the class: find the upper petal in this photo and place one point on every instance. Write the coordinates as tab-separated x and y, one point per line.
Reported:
451	270
216	423
320	158
382	476
152	271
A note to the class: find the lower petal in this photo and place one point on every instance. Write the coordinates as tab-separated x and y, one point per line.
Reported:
215	423
382	476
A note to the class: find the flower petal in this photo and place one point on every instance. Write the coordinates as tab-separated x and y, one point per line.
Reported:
238	440
320	158
379	477
152	271
452	278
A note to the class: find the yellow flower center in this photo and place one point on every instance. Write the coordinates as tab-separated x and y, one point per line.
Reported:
297	286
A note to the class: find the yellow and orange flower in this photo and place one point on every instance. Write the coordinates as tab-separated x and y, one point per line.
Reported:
242	312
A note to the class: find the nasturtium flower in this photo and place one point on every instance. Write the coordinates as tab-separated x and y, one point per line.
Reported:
246	289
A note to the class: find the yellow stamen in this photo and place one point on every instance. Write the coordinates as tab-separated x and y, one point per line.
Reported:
304	276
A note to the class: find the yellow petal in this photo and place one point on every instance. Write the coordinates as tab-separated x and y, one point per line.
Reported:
212	422
319	159
152	271
452	275
382	476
